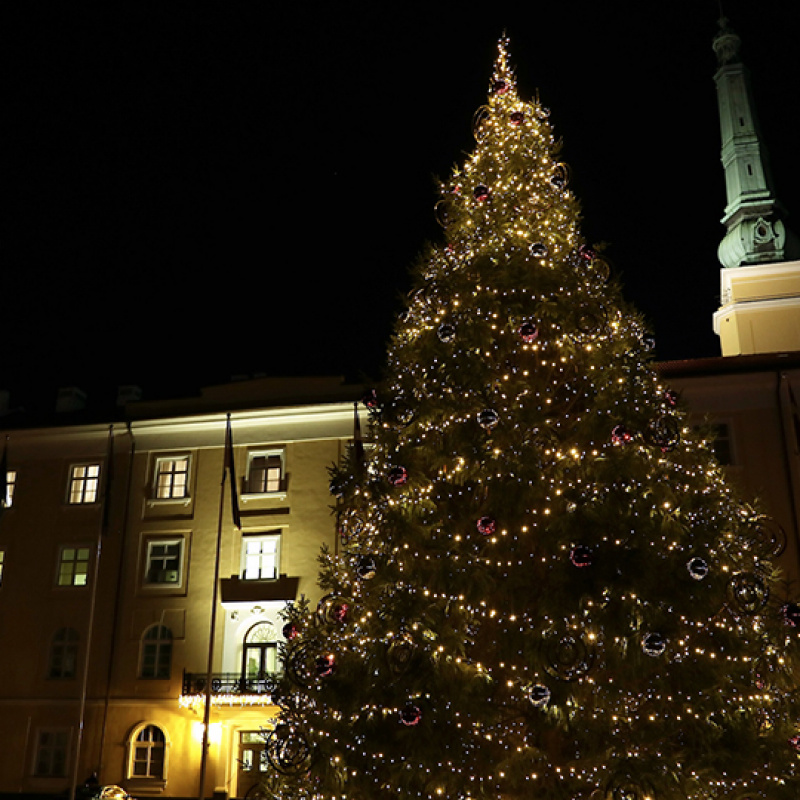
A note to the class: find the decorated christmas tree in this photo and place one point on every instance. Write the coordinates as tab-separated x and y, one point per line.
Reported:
544	586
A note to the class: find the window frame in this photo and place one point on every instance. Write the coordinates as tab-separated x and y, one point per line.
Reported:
160	644
157	474
2	564
41	748
148	544
74	562
11	485
77	492
148	780
261	536
251	488
64	646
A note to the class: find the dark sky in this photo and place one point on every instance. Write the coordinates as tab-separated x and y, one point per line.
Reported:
198	190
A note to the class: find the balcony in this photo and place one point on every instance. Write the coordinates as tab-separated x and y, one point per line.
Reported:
263	685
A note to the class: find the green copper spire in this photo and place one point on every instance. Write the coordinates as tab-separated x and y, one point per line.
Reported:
753	216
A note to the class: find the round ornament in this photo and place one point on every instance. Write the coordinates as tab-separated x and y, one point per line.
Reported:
370	398
654	644
500	87
446	332
559	177
367	568
664	432
488	418
288	750
621	435
400	653
516	118
332	610
747	593
290	630
539	250
567	656
481	193
581	556
698	568
671	398
528	332
765	536
539	695
486	525
791	614
586	253
397	476
410	715
794	743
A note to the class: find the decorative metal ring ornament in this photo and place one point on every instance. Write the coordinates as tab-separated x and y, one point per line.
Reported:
567	656
747	594
301	664
400	653
332	610
288	750
664	432
765	536
479	122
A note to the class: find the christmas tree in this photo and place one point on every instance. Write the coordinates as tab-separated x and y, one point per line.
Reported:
544	588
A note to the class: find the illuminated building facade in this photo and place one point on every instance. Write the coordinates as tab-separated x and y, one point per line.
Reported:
108	546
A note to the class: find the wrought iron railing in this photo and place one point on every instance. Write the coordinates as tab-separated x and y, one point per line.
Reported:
230	683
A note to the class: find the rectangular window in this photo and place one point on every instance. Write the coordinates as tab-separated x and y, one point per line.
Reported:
261	557
164	562
265	473
172	478
52	747
84	483
2	560
73	566
11	482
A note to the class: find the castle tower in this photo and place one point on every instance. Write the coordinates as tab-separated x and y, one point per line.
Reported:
760	276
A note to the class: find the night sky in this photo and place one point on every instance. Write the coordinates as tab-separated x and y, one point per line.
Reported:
201	190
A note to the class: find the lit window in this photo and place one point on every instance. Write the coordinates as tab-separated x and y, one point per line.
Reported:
73	566
63	654
265	473
11	482
156	661
260	557
52	747
164	562
148	753
259	652
84	483
2	560
172	478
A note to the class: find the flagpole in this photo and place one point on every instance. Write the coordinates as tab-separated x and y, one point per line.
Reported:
227	463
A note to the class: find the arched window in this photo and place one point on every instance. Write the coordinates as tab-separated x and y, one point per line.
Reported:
147	753
260	652
156	658
63	654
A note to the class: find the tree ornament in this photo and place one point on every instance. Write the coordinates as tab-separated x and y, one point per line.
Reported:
528	332
671	397
664	432
654	644
488	418
487	525
698	568
370	398
288	750
539	250
559	176
410	715
586	253
567	656
400	653
446	332
747	594
367	568
794	743
332	610
791	614
765	536
621	435
397	476
499	87
481	193
516	118
290	630
539	695
581	556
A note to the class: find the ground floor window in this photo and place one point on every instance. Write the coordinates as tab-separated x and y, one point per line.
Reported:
148	752
52	747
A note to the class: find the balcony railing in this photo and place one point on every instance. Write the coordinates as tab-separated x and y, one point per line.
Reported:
230	683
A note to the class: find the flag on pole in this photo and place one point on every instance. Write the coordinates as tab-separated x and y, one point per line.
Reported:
231	468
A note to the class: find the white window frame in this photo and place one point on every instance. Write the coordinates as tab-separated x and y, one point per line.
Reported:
168	489
271	487
255	557
84	484
11	484
149	558
147	780
74	561
63	746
